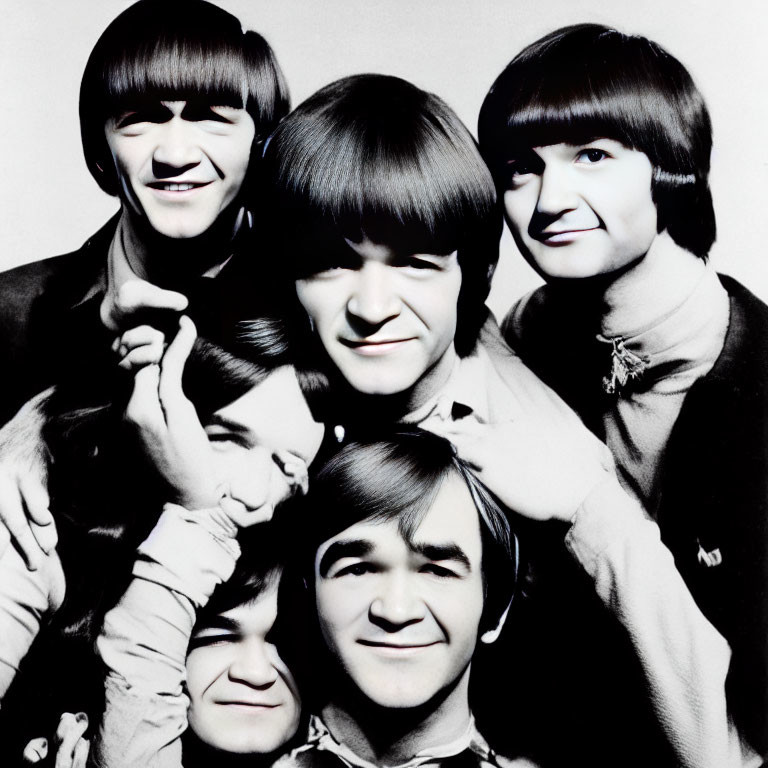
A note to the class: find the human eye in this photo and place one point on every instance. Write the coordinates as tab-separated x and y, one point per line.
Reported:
441	571
200	112
591	155
209	636
156	113
222	439
422	262
358	568
330	262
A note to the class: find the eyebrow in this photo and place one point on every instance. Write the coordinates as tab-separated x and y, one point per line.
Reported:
437	552
216	420
218	622
341	549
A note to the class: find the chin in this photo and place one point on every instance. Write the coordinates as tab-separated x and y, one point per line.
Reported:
245	744
376	384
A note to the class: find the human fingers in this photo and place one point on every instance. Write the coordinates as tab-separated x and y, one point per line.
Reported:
140	336
46	536
68	733
80	757
139	346
13	517
144	410
136	295
35	751
172	397
294	469
36	503
137	358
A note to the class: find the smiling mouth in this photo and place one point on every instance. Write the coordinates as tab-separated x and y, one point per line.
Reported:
174	186
371	348
255	705
563	235
396	647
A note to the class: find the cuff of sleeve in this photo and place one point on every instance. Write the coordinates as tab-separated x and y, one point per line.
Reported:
606	516
189	552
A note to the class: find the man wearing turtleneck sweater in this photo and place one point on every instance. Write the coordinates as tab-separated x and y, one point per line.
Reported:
665	362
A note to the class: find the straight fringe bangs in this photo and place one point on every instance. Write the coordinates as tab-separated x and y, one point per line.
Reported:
585	82
179	66
398	477
375	156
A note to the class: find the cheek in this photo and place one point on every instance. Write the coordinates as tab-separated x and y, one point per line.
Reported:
203	668
519	206
320	302
337	610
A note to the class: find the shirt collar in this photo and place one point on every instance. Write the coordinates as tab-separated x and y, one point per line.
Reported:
467	389
119	268
470	739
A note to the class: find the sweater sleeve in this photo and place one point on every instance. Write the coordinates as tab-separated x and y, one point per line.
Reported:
145	637
27	598
684	658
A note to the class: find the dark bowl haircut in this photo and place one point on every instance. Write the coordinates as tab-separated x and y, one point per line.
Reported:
373	156
175	50
587	81
396	476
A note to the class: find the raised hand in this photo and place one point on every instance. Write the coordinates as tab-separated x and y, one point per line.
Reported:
542	468
69	743
122	306
24	514
168	428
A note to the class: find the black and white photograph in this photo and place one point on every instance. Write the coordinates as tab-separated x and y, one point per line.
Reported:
383	384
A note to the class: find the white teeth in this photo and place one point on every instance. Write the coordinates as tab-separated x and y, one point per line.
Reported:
177	187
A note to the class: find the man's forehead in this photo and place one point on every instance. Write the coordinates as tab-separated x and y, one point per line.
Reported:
451	520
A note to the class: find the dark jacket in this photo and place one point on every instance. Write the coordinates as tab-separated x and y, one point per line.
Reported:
714	495
35	304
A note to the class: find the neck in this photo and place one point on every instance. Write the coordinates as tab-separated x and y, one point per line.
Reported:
388	736
171	262
648	291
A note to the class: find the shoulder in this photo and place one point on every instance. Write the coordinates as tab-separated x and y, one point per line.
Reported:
744	357
65	275
526	314
505	386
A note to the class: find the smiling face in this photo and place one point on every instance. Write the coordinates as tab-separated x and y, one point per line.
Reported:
243	698
386	319
180	163
264	441
579	211
402	618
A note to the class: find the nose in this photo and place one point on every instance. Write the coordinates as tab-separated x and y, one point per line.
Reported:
252	665
251	477
374	300
177	149
396	605
556	192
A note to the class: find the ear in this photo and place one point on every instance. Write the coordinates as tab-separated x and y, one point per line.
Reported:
492	635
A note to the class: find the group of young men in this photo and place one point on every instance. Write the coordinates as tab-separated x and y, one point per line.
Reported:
367	493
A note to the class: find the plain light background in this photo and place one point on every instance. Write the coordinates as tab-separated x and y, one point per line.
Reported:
454	48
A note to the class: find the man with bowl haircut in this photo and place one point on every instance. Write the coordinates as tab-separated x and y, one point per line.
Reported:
175	103
386	224
174	98
600	143
412	565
